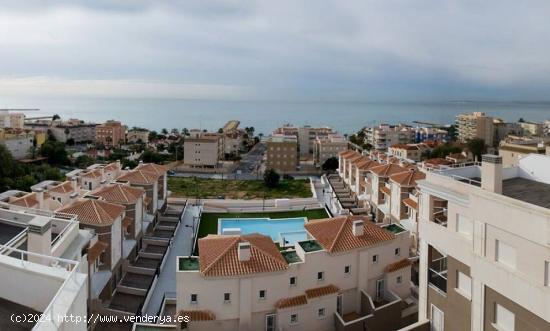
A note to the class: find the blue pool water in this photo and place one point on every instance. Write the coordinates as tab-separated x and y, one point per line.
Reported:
285	231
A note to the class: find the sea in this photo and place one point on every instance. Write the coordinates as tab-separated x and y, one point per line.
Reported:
264	116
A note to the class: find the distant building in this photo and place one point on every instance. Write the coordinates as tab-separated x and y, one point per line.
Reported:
326	147
282	153
410	152
383	136
546	128
305	136
232	138
76	130
422	134
137	135
532	128
514	149
12	120
201	149
110	133
475	125
20	141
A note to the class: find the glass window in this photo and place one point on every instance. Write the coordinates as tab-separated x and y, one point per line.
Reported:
227	297
375	258
505	254
292	281
294	319
397	251
194	298
504	318
262	294
320	275
321	312
347	269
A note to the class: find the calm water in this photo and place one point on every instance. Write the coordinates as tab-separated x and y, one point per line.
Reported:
345	117
289	229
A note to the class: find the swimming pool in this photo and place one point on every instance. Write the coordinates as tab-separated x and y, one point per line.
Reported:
285	231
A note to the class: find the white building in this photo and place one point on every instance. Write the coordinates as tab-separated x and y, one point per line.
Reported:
383	136
202	149
351	274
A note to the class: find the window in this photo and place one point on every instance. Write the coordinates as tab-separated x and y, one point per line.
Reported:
292	281
464	285
320	276
505	254
227	297
546	273
270	322
347	269
262	294
464	225
194	298
397	251
504	319
321	313
399	280
375	258
294	319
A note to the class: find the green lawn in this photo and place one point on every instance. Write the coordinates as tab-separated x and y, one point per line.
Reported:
237	189
209	221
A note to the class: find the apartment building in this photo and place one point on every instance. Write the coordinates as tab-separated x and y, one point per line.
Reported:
132	198
484	246
233	138
546	128
137	135
110	133
383	136
512	149
43	265
350	275
423	134
532	128
20	141
72	130
202	149
475	125
12	120
327	147
153	179
305	135
105	219
410	152
282	153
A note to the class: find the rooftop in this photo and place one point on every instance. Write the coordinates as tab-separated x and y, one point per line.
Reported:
291	256
188	263
310	246
536	193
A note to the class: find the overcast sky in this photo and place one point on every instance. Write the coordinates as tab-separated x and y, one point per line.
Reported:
329	50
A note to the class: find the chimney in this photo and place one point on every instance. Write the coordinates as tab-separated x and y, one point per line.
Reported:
491	173
244	251
39	239
102	174
40	197
358	228
74	181
118	164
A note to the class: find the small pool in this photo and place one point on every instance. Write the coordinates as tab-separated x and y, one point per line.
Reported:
285	231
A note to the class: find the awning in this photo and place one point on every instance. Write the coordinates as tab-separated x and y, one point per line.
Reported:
411	203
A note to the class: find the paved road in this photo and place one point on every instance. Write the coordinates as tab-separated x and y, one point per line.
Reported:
251	162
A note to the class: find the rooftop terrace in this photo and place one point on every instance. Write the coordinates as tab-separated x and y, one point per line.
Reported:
188	263
536	193
291	257
310	246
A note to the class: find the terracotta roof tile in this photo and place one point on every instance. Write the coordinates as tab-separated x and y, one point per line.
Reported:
96	173
385	190
336	235
126	222
94	251
366	165
28	200
321	291
153	168
113	166
387	170
198	315
398	265
299	300
218	255
119	193
94	212
346	153
411	203
65	187
139	177
360	160
408	178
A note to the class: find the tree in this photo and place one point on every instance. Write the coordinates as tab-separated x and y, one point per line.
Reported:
521	120
220	130
271	178
164	132
153	135
330	164
56	117
55	152
7	165
83	161
185	132
477	147
175	132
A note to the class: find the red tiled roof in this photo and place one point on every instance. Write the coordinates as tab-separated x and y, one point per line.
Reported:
387	170
218	255
126	222
65	187
28	200
367	165
408	178
362	159
385	190
94	251
198	315
321	291
398	265
92	174
153	168
411	203
113	166
94	212
347	153
437	161
139	177
408	147
119	193
336	234
299	300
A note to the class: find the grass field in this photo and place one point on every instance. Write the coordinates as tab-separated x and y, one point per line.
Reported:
209	221
237	189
